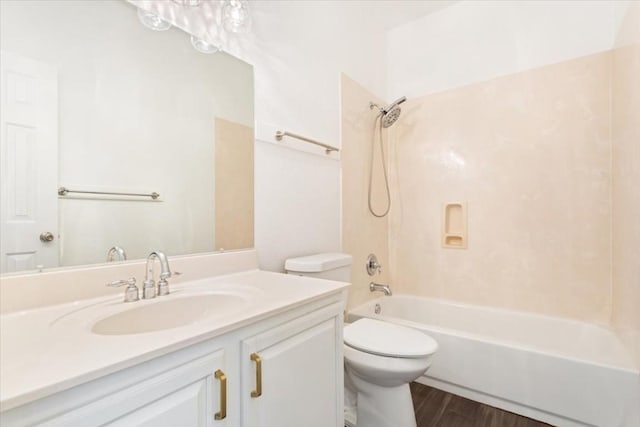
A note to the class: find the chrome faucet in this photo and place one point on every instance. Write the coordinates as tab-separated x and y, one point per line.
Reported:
149	288
379	287
116	250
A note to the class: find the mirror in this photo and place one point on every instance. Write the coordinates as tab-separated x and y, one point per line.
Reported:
95	102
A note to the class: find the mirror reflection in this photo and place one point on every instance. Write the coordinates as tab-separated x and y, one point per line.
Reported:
94	102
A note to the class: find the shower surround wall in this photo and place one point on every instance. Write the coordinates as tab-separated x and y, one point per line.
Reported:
530	155
538	132
626	178
513	115
362	233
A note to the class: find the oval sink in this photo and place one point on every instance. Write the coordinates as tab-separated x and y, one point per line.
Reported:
168	314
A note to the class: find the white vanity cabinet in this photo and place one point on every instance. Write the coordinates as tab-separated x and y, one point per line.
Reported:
292	374
211	383
191	393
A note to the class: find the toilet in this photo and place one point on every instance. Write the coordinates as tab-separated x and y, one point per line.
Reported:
380	358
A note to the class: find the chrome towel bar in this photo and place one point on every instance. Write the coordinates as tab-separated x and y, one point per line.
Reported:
63	191
327	148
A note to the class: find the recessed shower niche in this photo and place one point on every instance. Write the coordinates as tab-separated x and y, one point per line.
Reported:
454	225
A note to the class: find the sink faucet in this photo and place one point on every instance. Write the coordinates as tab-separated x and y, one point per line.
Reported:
379	287
149	289
116	253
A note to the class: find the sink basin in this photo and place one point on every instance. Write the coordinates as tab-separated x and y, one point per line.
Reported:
168	314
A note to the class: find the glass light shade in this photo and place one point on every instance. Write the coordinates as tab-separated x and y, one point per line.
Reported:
203	46
236	17
153	21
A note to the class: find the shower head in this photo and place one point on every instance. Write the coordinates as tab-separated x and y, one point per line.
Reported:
394	104
389	117
390	113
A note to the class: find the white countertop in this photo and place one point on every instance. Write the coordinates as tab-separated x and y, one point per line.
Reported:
50	349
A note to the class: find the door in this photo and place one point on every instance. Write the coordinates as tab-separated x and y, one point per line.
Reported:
292	375
28	164
193	394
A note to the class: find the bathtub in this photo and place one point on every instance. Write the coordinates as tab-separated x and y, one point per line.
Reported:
563	372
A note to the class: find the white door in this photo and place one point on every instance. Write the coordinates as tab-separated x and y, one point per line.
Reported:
189	395
192	394
187	407
28	164
292	376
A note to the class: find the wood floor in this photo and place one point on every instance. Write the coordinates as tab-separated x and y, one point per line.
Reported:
436	408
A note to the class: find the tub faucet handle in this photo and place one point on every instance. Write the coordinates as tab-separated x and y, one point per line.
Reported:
373	266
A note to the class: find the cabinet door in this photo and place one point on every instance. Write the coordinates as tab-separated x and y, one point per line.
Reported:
189	395
184	407
299	366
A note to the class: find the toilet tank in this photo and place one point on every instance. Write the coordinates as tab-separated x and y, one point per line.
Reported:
330	266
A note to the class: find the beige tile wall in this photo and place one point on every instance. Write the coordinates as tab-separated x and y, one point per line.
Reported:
548	161
234	210
362	233
530	155
626	182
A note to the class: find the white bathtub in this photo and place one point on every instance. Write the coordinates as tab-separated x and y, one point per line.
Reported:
563	372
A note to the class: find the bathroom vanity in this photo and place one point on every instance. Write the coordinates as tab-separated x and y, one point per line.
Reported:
229	346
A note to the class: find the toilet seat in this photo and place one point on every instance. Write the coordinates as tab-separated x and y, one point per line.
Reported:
388	339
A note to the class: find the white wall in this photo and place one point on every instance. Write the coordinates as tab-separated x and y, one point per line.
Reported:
473	41
298	50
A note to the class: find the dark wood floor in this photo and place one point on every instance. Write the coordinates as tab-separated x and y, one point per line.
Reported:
436	408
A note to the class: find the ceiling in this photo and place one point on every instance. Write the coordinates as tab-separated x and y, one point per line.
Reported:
387	14
380	14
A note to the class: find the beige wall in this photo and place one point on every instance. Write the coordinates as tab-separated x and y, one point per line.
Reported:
626	181
530	154
548	161
362	233
233	185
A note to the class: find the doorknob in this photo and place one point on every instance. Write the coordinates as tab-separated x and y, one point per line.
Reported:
46	236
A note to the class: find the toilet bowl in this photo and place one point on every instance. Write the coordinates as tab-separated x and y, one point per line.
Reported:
381	359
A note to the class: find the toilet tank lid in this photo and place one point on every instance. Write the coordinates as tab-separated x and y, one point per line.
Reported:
317	263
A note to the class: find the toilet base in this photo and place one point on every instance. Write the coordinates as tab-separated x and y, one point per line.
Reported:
380	406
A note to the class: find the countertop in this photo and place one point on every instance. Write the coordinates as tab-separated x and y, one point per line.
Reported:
50	349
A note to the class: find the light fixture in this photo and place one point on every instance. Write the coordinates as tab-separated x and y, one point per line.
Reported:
235	16
203	46
153	21
221	17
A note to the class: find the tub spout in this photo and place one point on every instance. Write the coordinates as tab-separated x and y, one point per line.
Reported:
379	287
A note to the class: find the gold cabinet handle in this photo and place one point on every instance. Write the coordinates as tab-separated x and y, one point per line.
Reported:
258	391
223	395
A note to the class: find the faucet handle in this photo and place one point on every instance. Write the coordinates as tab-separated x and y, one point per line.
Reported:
131	281
163	287
131	293
373	266
163	284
